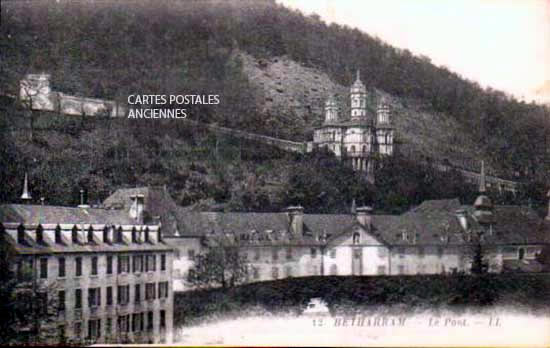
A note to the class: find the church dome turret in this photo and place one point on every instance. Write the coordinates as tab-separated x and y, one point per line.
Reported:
358	96
331	109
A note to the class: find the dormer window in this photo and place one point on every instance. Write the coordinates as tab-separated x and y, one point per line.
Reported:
159	236
119	235
74	234
146	235
134	235
58	239
20	234
106	237
39	234
90	234
356	238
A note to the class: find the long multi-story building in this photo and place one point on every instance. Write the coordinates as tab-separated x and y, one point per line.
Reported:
107	274
435	237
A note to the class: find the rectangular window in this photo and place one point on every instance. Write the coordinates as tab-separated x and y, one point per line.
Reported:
124	323
90	235
135	322
61	268
78	266
61	333
401	269
333	253
43	268
78	329
137	293
313	253
257	254
150	291
123	294
94	297
381	270
94	265
135	263
163	289
109	326
151	263
191	254
163	262
109	264
149	321
162	319
78	298
123	264
94	328
109	296
61	300
381	251
141	322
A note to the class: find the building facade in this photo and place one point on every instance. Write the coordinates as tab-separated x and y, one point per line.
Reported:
105	274
435	237
360	135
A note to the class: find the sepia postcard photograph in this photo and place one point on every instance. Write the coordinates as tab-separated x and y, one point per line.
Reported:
272	173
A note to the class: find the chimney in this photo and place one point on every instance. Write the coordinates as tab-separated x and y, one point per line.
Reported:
364	216
26	197
82	201
136	210
461	216
296	215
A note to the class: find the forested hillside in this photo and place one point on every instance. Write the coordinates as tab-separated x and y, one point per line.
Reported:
113	49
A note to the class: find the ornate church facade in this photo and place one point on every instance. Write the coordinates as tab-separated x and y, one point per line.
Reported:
358	137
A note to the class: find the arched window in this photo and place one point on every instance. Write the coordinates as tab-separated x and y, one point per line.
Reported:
364	148
353	148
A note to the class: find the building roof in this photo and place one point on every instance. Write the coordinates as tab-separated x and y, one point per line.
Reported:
47	214
157	202
434	222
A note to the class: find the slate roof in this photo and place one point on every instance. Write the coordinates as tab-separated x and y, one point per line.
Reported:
433	222
157	203
47	214
50	216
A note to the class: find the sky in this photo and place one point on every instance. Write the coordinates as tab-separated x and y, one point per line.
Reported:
504	44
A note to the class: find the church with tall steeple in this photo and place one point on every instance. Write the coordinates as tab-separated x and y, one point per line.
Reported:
357	137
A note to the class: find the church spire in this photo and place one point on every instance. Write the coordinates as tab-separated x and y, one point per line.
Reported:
26	195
